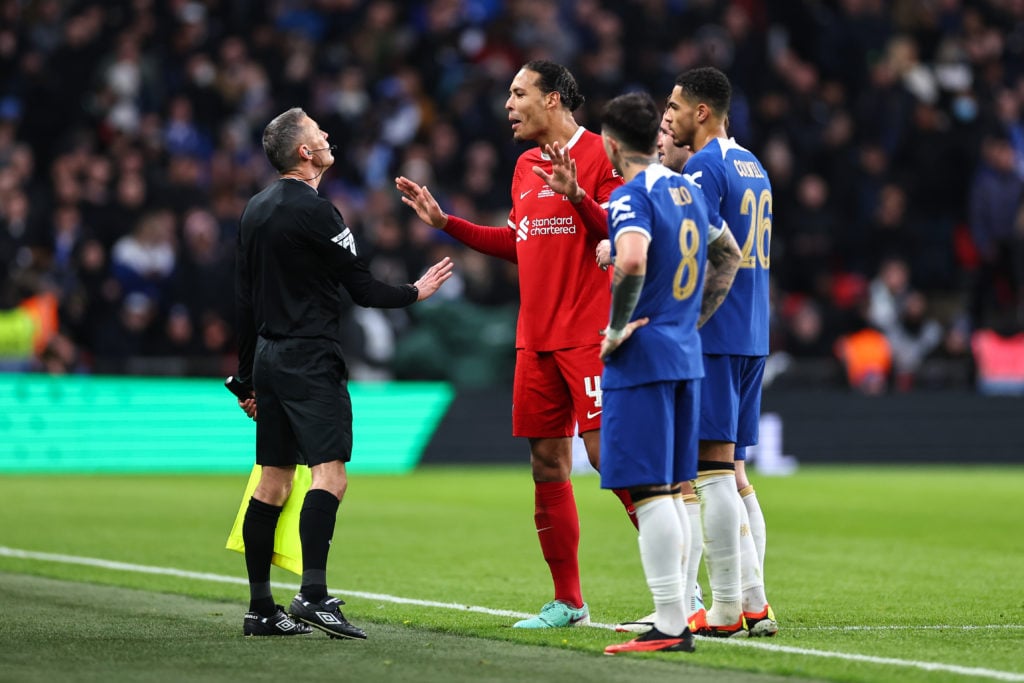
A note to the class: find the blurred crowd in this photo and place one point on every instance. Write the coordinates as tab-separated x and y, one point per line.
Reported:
130	142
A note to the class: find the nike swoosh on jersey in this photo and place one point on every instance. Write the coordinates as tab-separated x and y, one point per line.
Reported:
591	416
522	195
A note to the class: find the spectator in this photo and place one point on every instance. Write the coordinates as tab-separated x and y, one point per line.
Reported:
126	208
131	331
812	232
180	336
143	261
1008	114
996	201
887	293
912	338
92	300
15	255
203	282
888	234
868	116
65	237
867	358
805	333
999	355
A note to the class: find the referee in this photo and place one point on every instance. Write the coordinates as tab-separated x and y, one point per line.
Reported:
294	254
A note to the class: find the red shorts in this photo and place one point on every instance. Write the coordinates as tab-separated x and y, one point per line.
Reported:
554	391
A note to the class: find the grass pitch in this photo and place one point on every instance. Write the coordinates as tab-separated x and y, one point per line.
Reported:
876	574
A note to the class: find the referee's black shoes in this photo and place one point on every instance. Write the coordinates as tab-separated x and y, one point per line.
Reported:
278	625
326	616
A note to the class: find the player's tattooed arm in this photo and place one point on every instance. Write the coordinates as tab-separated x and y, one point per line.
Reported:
723	263
625	295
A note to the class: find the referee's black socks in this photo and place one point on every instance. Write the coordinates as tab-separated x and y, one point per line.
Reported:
258	535
316	528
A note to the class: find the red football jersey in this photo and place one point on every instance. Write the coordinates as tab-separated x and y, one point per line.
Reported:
564	295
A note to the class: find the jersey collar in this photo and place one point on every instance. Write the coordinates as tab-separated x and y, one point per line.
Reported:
572	141
301	182
726	144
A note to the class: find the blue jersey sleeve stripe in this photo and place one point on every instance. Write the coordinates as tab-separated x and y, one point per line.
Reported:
633	228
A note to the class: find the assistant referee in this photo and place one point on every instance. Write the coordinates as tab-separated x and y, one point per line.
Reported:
294	254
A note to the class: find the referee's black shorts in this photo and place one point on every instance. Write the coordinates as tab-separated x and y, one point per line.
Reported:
304	412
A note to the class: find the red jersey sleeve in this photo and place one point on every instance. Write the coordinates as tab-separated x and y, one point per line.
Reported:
594	218
488	240
597	176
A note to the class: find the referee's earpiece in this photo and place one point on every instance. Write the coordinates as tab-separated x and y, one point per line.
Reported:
307	153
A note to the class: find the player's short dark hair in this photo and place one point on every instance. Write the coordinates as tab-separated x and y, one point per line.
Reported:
280	138
556	78
634	120
708	85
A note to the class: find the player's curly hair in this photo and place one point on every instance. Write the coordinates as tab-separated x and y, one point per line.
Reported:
634	119
708	85
556	78
280	138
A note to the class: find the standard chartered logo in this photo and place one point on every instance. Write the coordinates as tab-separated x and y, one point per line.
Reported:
553	225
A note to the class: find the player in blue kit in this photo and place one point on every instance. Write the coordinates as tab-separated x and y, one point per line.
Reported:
667	281
735	345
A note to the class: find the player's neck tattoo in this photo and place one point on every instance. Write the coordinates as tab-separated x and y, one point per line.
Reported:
640	159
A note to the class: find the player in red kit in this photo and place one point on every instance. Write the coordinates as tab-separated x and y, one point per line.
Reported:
559	191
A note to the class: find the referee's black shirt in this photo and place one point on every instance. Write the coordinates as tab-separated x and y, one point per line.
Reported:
294	250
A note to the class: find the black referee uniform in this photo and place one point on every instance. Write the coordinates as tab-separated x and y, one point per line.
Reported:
294	252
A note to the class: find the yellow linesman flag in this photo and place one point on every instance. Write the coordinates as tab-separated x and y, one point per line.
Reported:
287	546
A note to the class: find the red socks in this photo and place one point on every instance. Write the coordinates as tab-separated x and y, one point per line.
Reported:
627	502
558	529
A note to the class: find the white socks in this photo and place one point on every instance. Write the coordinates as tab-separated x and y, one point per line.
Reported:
721	505
757	526
751	580
752	553
663	544
689	515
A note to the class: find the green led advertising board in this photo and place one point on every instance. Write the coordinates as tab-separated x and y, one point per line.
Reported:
83	424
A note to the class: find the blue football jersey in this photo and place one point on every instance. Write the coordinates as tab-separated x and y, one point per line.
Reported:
673	214
736	188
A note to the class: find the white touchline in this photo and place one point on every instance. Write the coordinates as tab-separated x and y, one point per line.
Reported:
905	627
773	647
926	666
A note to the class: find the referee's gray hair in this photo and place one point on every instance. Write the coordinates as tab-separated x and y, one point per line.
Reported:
280	138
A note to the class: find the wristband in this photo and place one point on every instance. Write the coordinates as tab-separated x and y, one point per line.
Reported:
613	334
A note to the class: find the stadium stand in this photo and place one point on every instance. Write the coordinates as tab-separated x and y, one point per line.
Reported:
129	140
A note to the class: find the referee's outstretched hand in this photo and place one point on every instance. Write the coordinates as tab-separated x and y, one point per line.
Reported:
435	276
